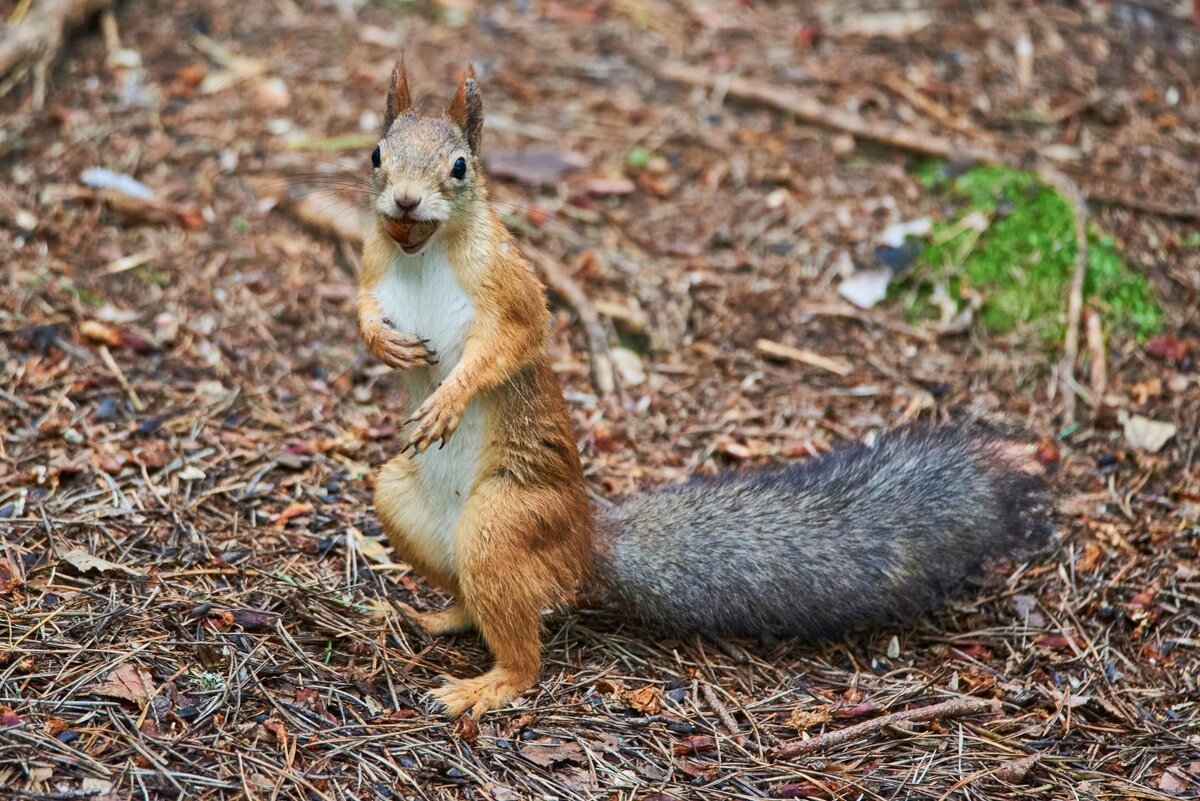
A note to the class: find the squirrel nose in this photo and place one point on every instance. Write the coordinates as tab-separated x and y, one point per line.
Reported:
407	202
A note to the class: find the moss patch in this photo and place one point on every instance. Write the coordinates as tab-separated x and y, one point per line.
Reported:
1012	241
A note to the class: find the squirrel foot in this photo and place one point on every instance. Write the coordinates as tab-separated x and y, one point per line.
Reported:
453	620
437	418
397	350
492	690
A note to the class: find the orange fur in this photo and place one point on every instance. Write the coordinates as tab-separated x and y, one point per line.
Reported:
522	540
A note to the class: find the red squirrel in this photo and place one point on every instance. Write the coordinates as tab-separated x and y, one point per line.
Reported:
488	502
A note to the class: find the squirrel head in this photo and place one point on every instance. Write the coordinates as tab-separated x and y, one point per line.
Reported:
426	174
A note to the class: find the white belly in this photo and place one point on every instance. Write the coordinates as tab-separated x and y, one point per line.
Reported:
420	296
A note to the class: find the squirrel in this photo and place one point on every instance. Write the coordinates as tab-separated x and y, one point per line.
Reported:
488	502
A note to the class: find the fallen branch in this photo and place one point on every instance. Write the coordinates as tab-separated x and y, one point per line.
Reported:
32	44
603	371
947	709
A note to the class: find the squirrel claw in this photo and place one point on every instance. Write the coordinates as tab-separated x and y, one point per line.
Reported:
397	350
436	420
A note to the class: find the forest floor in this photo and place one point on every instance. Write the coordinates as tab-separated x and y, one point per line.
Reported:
191	574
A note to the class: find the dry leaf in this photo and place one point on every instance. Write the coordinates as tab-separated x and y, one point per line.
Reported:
374	550
695	744
893	649
1014	772
293	510
1169	782
126	681
629	365
38	775
1168	347
804	719
609	186
1146	434
890	24
83	561
466	728
277	728
645	699
551	751
100	332
8	582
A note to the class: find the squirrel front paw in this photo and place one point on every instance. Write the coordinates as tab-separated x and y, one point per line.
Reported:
401	351
437	418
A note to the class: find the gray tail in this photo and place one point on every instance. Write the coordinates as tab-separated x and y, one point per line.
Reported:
860	536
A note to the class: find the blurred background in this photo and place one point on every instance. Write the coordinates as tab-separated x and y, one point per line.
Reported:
767	227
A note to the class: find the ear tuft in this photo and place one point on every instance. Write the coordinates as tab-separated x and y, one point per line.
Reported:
399	100
466	110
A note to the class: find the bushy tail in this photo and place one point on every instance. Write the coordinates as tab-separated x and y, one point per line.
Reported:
862	535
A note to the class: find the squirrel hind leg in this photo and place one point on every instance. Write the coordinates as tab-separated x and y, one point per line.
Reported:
506	584
511	627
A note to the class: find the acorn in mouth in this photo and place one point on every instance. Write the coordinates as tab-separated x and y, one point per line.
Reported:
410	235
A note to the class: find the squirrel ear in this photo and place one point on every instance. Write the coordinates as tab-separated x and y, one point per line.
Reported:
399	101
466	109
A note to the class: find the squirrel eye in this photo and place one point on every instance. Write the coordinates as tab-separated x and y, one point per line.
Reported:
460	169
375	158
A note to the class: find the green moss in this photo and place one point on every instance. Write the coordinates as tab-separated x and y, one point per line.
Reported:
1012	242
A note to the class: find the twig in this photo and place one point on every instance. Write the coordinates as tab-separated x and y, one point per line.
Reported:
1096	349
781	351
1067	188
947	709
599	357
710	695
